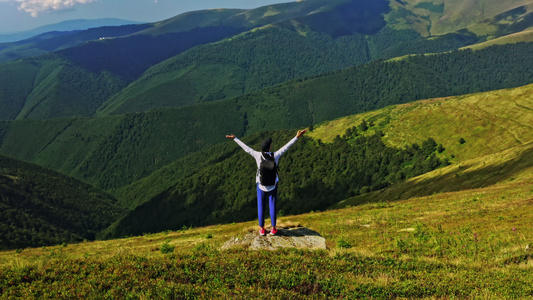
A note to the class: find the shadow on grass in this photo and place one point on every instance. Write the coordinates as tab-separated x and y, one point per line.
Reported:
471	175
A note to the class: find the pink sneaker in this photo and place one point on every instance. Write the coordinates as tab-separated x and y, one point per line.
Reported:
262	231
274	231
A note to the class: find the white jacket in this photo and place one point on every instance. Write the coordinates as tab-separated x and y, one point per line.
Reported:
258	154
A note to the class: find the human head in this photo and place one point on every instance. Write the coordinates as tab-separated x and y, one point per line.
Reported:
265	145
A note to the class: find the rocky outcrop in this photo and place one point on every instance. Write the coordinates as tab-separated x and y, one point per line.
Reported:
299	237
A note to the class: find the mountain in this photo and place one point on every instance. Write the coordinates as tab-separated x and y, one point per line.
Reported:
40	207
219	54
65	26
113	151
57	40
399	142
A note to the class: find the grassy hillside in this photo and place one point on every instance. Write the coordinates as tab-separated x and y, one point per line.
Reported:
437	17
138	144
489	122
480	172
469	244
515	20
495	127
41	207
523	36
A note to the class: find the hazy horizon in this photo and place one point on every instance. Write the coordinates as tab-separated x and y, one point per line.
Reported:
24	15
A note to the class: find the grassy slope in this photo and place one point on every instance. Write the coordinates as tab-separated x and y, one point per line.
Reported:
523	36
452	15
465	244
490	122
515	20
497	128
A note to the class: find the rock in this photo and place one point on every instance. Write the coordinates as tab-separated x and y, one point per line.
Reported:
407	230
300	237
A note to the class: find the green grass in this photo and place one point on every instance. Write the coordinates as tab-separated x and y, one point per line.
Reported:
489	122
468	244
523	36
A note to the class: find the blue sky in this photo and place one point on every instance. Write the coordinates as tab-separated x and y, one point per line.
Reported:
20	15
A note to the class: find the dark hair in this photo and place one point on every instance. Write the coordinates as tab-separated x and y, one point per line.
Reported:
265	145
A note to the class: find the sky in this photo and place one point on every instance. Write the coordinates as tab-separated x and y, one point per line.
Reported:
21	15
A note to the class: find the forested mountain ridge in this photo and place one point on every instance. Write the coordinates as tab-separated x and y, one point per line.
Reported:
312	44
111	152
283	42
39	207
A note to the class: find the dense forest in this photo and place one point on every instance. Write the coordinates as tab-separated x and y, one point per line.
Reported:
112	152
39	207
313	177
263	58
171	68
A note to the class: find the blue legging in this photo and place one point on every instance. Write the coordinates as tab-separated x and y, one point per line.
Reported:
261	205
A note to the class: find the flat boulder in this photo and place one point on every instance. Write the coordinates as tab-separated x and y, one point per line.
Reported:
299	237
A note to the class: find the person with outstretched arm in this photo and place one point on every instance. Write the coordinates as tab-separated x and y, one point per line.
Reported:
267	177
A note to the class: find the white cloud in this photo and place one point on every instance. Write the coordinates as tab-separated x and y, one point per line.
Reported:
34	7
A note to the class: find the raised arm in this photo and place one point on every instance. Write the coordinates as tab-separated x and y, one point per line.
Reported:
242	145
278	153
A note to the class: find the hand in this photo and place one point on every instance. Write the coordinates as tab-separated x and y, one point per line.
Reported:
300	133
231	136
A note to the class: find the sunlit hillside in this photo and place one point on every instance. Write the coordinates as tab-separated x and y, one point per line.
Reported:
469	244
487	122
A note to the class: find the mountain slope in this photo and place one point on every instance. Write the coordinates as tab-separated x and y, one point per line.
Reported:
221	188
111	152
273	44
41	207
235	67
506	166
72	25
198	189
53	87
504	114
427	247
343	34
440	17
57	40
92	71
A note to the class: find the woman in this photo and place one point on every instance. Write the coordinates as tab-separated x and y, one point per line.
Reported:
266	189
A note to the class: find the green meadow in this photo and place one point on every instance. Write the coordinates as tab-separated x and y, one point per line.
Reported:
469	244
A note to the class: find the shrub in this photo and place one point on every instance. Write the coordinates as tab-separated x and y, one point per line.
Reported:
167	248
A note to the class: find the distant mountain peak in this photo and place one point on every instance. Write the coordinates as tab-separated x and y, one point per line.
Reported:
70	25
